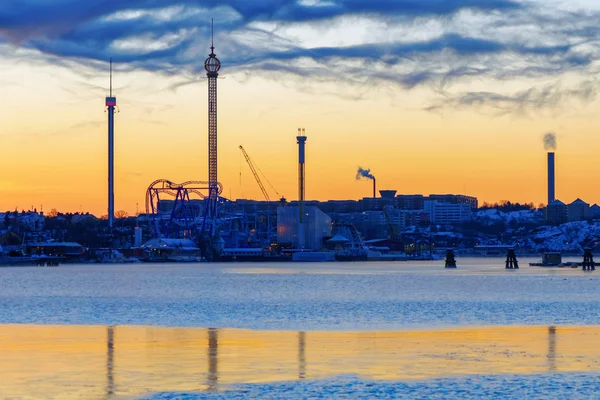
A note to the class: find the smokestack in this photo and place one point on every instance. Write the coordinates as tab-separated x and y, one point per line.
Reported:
366	173
374	188
551	178
301	138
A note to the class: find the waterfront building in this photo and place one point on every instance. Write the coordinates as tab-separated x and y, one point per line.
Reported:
69	251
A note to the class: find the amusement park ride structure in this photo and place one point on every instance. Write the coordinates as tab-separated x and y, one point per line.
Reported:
196	210
188	215
212	65
194	213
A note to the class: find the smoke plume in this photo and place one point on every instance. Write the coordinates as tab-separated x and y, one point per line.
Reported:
364	173
550	141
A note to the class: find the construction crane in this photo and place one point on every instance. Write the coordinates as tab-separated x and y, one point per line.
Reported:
253	168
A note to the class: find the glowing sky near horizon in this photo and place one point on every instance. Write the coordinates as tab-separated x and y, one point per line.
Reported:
434	97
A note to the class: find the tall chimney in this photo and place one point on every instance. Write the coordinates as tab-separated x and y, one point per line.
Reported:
551	178
374	189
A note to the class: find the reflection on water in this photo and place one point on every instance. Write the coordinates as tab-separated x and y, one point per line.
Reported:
113	362
110	341
301	355
552	348
213	359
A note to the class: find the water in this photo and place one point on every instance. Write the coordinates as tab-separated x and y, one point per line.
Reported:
473	387
335	330
358	296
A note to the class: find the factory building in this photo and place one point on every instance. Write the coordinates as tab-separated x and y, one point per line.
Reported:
578	210
317	226
441	213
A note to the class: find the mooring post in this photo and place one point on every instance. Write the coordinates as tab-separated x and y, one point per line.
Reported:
511	260
450	260
588	261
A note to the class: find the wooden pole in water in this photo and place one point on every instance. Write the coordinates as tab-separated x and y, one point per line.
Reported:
450	260
588	261
511	260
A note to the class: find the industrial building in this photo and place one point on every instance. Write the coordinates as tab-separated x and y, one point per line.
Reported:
309	235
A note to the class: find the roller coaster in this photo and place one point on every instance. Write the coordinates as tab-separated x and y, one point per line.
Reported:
180	210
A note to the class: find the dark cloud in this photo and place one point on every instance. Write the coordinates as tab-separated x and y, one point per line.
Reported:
171	36
552	96
87	29
23	19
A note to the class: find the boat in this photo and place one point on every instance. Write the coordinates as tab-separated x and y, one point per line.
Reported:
171	251
553	259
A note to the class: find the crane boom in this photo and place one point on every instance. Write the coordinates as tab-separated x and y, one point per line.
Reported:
251	165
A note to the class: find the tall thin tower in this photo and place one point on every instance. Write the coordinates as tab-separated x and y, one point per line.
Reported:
212	65
111	103
551	178
301	138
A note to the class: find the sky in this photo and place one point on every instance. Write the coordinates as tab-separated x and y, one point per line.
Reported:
443	96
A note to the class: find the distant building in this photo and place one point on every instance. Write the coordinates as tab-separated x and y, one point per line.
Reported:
339	206
455	199
556	213
416	217
447	213
70	251
31	220
578	210
417	201
375	204
317	225
388	194
595	211
410	201
372	224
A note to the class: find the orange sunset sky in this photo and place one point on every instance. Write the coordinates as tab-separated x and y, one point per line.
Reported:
432	101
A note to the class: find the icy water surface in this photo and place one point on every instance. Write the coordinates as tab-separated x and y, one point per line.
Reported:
93	362
331	296
335	330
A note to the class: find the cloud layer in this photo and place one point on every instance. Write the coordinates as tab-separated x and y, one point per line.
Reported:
403	42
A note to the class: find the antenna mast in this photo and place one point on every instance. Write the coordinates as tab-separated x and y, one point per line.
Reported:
110	77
